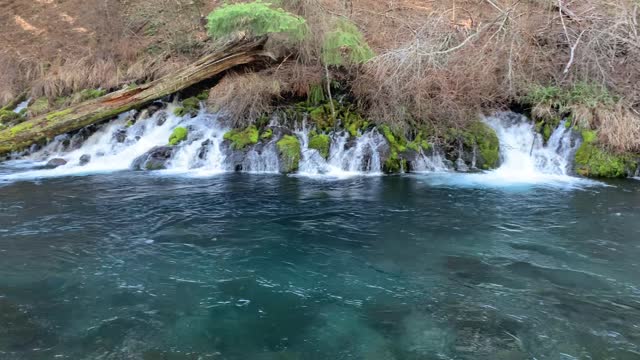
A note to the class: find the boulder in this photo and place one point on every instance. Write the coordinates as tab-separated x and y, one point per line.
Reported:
154	159
55	162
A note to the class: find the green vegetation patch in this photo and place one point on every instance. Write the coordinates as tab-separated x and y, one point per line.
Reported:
289	150
320	142
593	161
266	134
483	138
240	139
345	45
178	135
8	116
190	106
258	18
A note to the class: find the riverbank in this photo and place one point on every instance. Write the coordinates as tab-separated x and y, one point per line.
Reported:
326	70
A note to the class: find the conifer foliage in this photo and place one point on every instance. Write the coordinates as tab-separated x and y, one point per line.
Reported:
258	18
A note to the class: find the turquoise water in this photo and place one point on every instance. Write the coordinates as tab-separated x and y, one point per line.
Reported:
134	266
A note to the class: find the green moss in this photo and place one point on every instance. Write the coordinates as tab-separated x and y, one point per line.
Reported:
20	128
394	165
266	134
240	139
593	161
488	144
483	138
178	135
8	116
289	149
320	142
52	117
322	117
190	106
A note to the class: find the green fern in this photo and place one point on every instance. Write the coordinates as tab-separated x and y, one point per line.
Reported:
345	45
258	18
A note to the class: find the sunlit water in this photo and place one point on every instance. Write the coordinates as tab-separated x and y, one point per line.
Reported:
238	266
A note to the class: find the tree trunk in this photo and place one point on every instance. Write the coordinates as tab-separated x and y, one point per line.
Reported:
47	126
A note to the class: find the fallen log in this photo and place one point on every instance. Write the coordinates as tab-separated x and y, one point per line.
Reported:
47	126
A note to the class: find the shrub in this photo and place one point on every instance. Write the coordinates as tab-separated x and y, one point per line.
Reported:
258	18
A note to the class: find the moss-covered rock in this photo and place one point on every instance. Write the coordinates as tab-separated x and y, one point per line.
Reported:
178	135
240	139
266	134
190	106
320	142
478	136
594	161
289	151
322	117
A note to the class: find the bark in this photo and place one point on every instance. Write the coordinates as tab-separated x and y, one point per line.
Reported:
47	126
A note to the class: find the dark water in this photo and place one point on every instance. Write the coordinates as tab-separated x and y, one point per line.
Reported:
131	266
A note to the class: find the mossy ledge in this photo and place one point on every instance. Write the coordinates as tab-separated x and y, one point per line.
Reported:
240	139
594	161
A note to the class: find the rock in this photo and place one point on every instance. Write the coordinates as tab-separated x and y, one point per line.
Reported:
120	135
461	166
84	159
154	159
161	119
54	163
204	149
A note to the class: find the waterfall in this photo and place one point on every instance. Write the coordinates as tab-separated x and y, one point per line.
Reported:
523	151
429	164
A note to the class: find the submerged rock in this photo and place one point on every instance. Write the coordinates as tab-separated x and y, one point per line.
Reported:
154	159
55	162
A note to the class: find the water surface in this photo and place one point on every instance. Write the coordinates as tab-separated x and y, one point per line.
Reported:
238	266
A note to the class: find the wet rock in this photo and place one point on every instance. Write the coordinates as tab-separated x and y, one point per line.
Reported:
55	162
77	139
120	135
161	119
461	166
153	108
204	149
154	159
84	159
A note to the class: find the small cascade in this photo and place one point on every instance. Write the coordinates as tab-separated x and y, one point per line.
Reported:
347	156
21	106
524	154
432	163
262	159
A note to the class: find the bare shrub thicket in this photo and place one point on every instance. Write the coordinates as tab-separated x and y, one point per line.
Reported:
447	73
